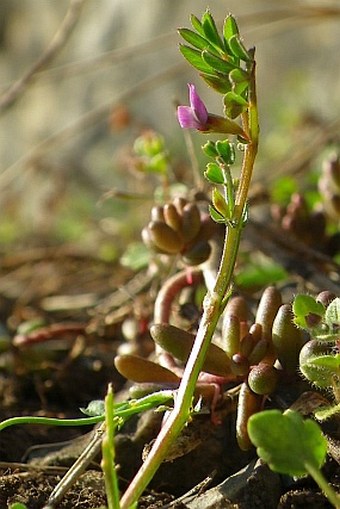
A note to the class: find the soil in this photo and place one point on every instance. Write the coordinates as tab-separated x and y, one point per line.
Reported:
70	363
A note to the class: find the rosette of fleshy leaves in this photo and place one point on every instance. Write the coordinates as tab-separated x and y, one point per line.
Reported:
317	226
309	226
319	359
180	228
260	354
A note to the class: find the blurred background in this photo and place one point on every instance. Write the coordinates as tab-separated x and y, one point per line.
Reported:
82	79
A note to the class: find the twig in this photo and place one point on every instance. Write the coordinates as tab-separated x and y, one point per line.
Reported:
18	88
90	452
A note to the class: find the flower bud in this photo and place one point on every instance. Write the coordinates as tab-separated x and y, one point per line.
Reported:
209	149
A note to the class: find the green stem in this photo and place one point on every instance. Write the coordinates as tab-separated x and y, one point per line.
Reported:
327	489
51	421
108	454
213	306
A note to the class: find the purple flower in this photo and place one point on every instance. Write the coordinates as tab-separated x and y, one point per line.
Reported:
194	116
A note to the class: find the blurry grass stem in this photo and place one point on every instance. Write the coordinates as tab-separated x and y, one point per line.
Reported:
19	87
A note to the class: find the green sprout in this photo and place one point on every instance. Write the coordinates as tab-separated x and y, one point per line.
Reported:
108	453
320	357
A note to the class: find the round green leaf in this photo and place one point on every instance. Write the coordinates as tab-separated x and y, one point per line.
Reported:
303	306
286	442
214	174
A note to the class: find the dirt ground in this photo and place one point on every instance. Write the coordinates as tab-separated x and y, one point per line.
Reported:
71	364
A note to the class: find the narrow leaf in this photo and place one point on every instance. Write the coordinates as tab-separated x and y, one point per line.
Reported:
194	58
210	31
218	64
196	24
194	39
216	216
230	27
238	49
217	82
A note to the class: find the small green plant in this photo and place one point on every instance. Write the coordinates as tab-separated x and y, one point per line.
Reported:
291	445
320	357
229	68
254	356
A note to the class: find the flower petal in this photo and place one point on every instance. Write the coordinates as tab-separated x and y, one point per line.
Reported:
186	118
197	105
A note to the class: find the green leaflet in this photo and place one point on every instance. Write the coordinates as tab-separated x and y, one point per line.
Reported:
287	442
194	57
218	64
238	49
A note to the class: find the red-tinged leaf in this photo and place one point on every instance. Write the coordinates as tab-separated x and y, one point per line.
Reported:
140	370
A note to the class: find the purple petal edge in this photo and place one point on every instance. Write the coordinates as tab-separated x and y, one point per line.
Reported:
186	118
197	105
